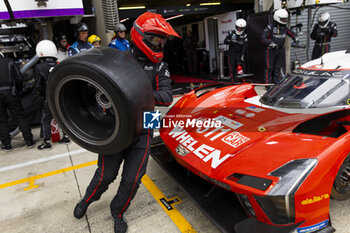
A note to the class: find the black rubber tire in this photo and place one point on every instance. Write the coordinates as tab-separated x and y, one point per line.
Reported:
340	191
71	97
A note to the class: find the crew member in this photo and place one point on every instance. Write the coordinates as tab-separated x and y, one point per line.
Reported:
237	41
322	33
95	40
149	34
119	42
273	38
10	86
46	51
82	43
62	46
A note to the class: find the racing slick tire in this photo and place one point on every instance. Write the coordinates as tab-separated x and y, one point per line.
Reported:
341	185
98	98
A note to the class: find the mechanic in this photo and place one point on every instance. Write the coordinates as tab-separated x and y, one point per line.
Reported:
119	42
149	34
62	46
62	53
237	41
273	38
95	40
46	51
81	44
10	87
322	33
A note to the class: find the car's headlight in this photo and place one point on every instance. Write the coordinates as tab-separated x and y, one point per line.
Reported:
278	205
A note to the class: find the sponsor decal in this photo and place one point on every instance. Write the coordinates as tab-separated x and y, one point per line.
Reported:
255	109
313	228
240	111
315	199
202	151
228	122
235	139
318	73
148	68
151	120
250	115
181	150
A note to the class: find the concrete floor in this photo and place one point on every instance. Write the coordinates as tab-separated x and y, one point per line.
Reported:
49	207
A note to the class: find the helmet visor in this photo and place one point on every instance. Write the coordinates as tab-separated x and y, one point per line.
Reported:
155	42
240	29
283	20
322	23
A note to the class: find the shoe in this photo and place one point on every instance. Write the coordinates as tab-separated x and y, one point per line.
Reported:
6	147
80	209
120	225
30	144
45	146
65	139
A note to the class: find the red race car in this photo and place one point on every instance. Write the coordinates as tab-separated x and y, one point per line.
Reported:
284	153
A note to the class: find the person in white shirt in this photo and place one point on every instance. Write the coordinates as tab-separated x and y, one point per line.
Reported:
62	46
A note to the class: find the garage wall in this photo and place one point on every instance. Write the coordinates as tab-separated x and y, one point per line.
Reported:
340	16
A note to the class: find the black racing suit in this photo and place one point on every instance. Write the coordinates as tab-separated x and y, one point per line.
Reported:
78	46
135	157
322	37
41	74
10	85
274	57
236	51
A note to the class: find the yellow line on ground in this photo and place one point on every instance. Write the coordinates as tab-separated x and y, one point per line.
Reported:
174	214
31	179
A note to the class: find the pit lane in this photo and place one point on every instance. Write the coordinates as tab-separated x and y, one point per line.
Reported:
39	190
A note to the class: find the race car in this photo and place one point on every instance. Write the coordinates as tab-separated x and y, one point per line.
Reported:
284	152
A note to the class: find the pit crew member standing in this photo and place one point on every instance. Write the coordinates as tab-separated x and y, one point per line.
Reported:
82	43
273	38
62	45
46	51
237	41
10	85
149	34
322	33
119	42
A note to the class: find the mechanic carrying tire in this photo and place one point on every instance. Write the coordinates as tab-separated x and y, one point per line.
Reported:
111	91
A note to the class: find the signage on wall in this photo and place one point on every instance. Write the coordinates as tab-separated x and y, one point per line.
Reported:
31	9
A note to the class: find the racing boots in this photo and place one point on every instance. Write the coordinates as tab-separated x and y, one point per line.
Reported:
6	147
30	143
120	225
80	209
45	146
65	139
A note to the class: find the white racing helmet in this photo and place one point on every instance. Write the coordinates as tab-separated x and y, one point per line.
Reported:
240	26
323	19
46	48
281	16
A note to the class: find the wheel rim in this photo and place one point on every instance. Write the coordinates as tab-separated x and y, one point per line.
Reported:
87	110
342	181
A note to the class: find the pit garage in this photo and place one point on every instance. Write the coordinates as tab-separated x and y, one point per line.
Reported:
278	161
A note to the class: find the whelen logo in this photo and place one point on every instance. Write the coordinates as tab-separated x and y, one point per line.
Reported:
315	199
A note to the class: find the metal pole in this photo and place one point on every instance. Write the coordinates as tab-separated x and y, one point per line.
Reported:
308	33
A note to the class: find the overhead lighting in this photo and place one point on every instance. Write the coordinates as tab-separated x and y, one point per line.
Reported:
188	4
174	17
210	3
131	7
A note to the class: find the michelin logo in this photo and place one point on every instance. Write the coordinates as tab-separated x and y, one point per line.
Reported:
151	120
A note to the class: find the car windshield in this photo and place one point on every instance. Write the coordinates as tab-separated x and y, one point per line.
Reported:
318	90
